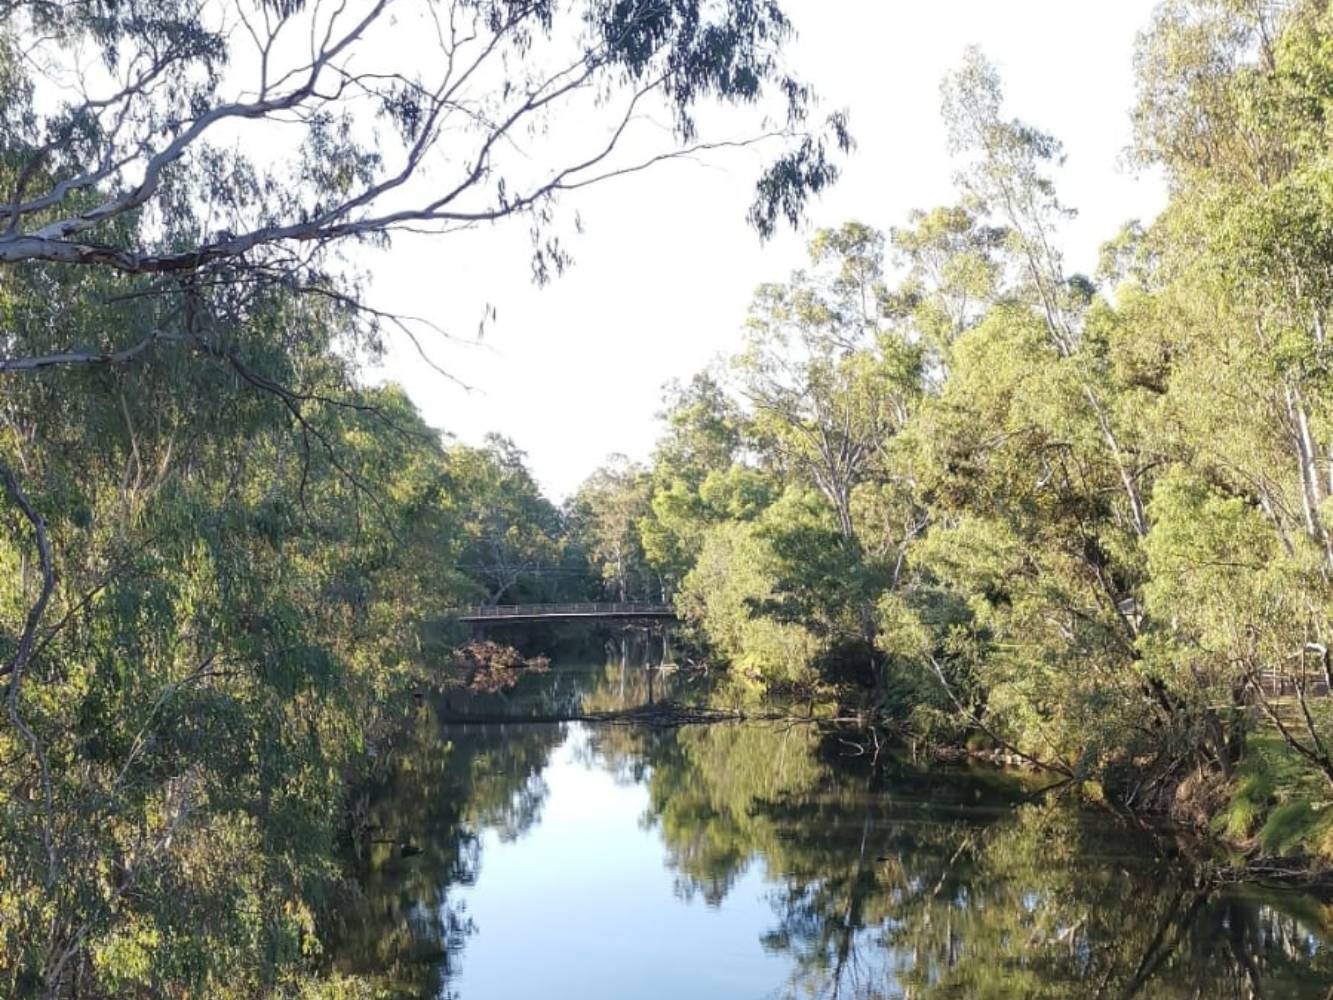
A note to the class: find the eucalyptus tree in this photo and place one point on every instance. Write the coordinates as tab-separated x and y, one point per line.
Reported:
603	519
131	166
511	533
1092	519
1228	105
1007	176
700	475
1027	461
827	386
454	90
951	274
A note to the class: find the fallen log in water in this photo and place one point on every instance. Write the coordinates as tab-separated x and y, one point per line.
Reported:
664	714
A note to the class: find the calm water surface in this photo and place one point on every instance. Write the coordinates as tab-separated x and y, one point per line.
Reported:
757	861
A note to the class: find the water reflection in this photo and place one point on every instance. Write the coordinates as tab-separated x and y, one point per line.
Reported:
423	842
598	674
755	861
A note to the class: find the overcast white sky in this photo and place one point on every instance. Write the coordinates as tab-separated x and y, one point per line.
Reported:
666	264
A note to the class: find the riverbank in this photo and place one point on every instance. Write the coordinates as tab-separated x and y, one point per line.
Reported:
1269	821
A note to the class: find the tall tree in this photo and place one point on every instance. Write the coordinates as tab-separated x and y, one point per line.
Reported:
512	532
692	482
604	517
828	387
1007	176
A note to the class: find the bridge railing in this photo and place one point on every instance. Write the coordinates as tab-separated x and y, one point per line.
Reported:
556	610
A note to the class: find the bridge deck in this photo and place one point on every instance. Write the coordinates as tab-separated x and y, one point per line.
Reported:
548	612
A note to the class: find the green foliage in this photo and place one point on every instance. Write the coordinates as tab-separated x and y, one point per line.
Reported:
1295	826
513	536
604	521
247	541
234	632
778	510
732	580
1085	522
1273	803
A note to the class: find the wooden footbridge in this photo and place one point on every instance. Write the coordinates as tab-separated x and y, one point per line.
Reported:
632	611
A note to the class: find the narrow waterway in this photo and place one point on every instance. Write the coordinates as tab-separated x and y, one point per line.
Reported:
765	861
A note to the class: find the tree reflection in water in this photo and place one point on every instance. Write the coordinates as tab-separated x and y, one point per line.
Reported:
899	881
446	786
889	880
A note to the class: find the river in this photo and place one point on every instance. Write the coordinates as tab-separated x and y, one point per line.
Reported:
749	860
